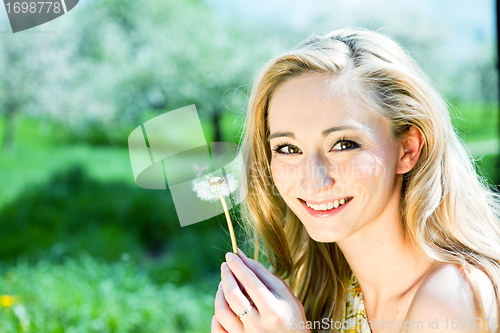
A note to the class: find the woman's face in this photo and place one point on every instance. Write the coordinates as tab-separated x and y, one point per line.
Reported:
333	157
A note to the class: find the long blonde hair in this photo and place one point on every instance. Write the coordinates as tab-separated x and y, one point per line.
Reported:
447	208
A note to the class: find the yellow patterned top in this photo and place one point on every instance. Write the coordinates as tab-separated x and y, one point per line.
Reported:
354	319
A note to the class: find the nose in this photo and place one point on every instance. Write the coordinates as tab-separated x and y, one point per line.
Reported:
315	176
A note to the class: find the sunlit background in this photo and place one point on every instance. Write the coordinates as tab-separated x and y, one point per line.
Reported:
82	248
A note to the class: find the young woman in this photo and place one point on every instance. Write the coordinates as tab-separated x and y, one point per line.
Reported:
368	207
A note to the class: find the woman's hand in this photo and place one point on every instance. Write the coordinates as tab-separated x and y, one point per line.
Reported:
269	307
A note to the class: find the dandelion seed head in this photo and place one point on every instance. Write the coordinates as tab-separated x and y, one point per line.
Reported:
210	188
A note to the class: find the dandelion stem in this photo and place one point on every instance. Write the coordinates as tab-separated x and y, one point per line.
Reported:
229	224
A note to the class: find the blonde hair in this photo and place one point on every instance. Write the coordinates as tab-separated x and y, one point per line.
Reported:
447	209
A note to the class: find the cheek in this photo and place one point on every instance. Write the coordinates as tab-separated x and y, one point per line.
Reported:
284	176
375	172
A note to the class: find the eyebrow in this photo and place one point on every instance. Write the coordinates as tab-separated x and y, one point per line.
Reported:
281	134
324	133
340	128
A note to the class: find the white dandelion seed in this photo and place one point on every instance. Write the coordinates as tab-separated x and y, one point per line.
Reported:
201	169
213	188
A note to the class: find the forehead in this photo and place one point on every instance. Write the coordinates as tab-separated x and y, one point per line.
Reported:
317	101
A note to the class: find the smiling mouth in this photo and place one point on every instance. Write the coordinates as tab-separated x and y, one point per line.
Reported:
327	205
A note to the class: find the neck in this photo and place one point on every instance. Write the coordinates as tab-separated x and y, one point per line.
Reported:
387	264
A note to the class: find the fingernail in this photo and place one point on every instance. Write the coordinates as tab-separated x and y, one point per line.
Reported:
224	265
220	285
241	252
230	255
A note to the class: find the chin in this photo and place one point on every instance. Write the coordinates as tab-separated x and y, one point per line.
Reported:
323	240
323	236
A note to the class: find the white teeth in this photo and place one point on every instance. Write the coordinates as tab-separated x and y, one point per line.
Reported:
313	206
327	206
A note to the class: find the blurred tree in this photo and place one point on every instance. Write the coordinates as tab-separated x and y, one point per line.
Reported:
127	58
19	82
115	60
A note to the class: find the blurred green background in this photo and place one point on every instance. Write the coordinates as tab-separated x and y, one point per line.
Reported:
82	248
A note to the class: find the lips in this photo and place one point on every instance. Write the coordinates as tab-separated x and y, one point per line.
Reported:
326	208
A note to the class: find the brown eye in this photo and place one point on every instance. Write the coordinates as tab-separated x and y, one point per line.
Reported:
286	149
345	145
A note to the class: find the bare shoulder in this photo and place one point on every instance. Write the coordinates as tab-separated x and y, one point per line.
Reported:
445	302
488	297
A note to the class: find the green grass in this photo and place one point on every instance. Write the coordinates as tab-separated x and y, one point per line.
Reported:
86	295
27	166
40	151
171	291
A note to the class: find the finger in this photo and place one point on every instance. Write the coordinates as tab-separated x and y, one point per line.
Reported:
233	294
271	281
225	316
216	326
258	292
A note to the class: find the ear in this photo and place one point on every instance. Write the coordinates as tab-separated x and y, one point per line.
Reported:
409	151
